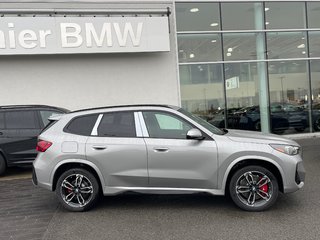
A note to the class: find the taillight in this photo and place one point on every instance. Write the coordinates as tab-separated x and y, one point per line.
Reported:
43	145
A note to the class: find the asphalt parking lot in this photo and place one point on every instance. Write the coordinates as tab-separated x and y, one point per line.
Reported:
27	212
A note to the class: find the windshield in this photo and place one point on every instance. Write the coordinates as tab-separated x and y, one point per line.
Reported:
202	122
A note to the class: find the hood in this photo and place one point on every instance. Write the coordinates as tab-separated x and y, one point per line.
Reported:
257	137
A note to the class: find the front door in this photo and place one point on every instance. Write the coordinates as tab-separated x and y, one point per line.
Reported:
175	161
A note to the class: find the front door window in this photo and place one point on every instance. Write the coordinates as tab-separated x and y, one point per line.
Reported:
166	125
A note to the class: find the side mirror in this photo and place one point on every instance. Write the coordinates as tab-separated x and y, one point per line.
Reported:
195	134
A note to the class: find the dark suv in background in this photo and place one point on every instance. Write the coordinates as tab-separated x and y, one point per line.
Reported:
19	129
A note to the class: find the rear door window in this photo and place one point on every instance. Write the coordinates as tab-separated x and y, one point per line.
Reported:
82	125
21	120
1	120
117	124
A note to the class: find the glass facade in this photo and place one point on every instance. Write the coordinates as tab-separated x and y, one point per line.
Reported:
251	65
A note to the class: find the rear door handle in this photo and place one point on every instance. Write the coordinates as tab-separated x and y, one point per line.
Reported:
161	149
99	147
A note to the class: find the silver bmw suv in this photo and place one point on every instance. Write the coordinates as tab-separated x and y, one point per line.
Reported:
161	149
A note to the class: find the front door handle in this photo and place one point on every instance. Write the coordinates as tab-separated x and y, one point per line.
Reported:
99	147
161	149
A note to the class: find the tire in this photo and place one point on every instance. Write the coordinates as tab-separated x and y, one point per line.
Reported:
301	129
77	190
257	126
3	165
317	124
254	197
278	131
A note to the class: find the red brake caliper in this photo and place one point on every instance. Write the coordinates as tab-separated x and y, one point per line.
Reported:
264	187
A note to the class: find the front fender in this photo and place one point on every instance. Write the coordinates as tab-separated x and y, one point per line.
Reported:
249	157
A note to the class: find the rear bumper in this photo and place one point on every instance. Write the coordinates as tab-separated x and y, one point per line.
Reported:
34	177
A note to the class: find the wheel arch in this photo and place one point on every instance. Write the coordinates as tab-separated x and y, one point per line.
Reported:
69	164
271	165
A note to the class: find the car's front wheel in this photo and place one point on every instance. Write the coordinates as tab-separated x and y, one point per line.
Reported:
253	188
77	190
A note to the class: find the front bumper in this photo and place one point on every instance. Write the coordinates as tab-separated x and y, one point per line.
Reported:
299	179
300	174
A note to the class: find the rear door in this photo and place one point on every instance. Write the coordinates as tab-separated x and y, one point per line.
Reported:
21	130
115	146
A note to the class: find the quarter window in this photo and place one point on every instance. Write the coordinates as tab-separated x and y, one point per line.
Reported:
165	125
82	125
117	124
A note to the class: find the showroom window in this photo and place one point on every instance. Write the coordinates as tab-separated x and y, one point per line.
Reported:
199	47
285	15
283	45
314	43
238	16
288	86
244	65
313	14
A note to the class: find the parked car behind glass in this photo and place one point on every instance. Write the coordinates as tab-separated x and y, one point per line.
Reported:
19	129
161	149
283	117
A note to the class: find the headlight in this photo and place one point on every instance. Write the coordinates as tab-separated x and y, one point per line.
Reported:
287	149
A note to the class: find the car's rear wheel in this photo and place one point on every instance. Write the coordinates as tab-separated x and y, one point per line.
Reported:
77	190
253	188
3	165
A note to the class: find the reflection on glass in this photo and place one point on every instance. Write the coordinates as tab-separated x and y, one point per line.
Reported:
238	16
313	14
314	41
284	15
202	89
289	107
199	47
315	84
286	45
242	96
239	46
197	16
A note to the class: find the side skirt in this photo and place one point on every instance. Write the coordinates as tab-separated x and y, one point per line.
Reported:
156	190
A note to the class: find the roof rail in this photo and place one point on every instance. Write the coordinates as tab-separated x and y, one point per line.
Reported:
32	106
123	106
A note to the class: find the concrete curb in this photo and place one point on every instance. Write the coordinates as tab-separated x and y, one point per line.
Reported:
302	136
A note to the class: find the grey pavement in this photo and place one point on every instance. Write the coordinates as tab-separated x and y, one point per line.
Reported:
27	212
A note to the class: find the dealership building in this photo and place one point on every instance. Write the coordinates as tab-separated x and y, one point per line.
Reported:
239	64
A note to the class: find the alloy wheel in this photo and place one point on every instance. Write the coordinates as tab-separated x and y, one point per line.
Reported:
76	190
254	189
